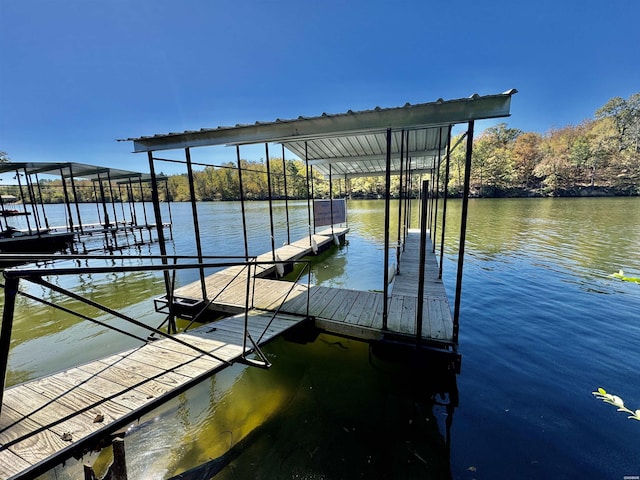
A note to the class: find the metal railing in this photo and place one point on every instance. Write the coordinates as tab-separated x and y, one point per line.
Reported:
35	274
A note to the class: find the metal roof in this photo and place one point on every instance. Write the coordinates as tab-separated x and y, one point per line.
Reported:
75	170
353	143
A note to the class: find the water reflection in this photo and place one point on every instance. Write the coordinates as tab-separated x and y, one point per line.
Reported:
330	409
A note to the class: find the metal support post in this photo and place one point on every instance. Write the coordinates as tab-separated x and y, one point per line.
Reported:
286	195
306	161
24	204
437	190
66	201
75	197
463	231
273	240
399	243
385	303
196	225
421	266
10	293
244	218
331	197
445	196
163	247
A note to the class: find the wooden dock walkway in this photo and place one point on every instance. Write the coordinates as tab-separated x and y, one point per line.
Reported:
49	419
46	420
343	311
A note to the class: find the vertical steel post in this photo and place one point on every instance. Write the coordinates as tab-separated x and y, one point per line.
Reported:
66	201
313	196
463	231
331	197
306	161
33	200
168	200
437	190
24	204
144	209
44	212
132	212
286	195
6	223
105	211
407	193
399	244
385	303
124	218
163	248
10	293
95	197
244	218
273	239
114	233
196	225
131	201
75	198
445	195
421	266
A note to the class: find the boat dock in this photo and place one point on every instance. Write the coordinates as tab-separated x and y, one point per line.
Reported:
45	421
68	412
119	219
340	311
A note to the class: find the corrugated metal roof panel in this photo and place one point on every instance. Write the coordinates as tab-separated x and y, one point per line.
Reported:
352	140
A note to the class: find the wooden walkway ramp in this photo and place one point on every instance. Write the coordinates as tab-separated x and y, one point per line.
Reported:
296	250
46	420
343	311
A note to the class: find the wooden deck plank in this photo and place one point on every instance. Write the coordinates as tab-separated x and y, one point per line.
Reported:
14	425
356	308
394	315
343	309
367	315
11	464
77	398
332	305
36	414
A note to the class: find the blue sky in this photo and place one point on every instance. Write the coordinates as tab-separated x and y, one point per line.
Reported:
78	74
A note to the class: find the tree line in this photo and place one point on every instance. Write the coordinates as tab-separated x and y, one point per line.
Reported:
599	156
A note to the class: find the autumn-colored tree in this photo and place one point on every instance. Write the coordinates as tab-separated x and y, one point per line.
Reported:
526	155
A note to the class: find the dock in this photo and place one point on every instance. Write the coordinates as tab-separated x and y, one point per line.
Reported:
342	311
63	414
45	421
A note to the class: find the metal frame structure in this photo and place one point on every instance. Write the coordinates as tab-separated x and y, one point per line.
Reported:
169	264
104	179
408	141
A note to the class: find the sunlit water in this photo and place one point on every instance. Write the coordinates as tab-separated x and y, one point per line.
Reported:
543	324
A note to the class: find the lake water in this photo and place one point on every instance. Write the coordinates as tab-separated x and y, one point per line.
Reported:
543	324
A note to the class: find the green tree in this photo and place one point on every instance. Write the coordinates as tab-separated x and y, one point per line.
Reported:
626	119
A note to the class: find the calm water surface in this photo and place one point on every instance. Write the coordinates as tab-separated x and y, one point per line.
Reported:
542	326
